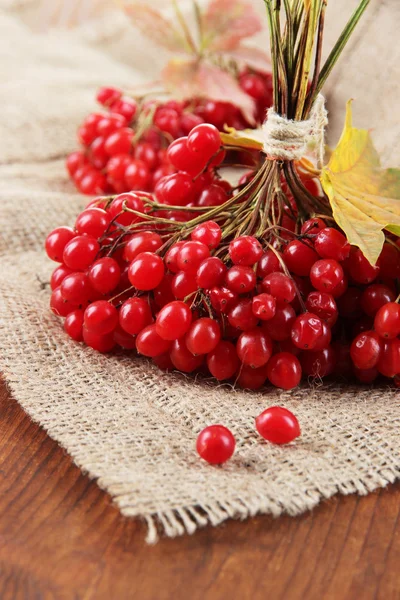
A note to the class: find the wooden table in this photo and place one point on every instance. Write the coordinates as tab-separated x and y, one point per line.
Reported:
61	538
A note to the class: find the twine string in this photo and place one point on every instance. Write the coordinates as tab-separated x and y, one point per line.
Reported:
285	139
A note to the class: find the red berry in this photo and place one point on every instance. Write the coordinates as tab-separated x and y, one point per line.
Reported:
240	279
101	317
319	363
222	299
208	233
306	331
149	343
374	297
124	339
93	222
59	306
125	107
280	286
176	189
389	360
56	242
387	321
183	284
284	370
245	250
203	336
101	343
211	273
254	348
107	95
135	315
241	315
59	275
184	159
278	425
104	275
212	195
326	274
255	86
76	288
74	161
215	444
80	252
204	140
366	375
330	243
323	305
146	271
252	379
144	241
174	320
137	175
366	349
182	359
73	325
280	326
191	255
360	270
269	263
299	257
264	306
119	142
119	205
223	361
313	226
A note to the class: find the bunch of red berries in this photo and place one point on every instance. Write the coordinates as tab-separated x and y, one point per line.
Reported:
124	148
175	279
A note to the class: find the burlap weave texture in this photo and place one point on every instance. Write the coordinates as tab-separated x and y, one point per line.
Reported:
124	422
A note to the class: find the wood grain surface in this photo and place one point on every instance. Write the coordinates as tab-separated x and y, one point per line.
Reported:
61	538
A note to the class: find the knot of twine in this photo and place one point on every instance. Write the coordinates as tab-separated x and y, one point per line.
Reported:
285	139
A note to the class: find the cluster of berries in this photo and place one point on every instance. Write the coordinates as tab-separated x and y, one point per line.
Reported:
236	308
125	147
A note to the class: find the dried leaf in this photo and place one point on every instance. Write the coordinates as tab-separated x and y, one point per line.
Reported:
365	198
155	26
191	78
248	138
227	22
250	56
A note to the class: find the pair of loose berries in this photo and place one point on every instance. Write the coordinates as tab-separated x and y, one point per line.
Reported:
216	443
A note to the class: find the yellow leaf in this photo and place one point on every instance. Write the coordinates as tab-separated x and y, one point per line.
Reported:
365	198
247	138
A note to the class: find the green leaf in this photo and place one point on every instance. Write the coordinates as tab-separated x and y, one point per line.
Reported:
365	198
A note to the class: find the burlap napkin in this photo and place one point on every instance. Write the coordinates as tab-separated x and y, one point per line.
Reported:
124	422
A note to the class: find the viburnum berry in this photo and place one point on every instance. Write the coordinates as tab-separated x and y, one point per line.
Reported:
183	359
183	284
330	243
211	273
150	344
108	95
269	263
366	375
223	361
191	255
101	343
184	159
176	189
76	288
100	317
280	286
252	379
171	257
146	271
222	299
122	202
56	242
326	274
387	321
126	107
254	348
366	349
323	305
279	327
245	250
93	222
80	252
212	195
318	363
389	360
374	297
241	315
204	140
306	331
59	275
359	269
124	339
203	336
137	175
208	233
58	305
264	306
278	425
134	315
312	226
240	279
284	370
173	320
74	161
119	142
299	257
73	325
215	444
144	241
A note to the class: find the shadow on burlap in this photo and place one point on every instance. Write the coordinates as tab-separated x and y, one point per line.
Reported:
126	424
